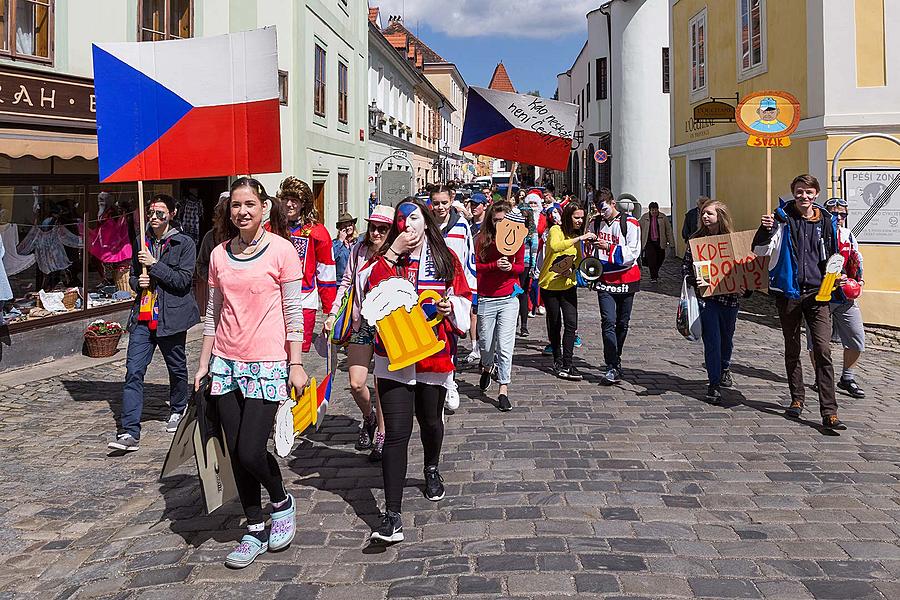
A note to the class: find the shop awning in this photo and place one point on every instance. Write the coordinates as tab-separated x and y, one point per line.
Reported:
17	143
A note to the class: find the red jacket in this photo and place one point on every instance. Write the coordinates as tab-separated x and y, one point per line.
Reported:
318	264
493	282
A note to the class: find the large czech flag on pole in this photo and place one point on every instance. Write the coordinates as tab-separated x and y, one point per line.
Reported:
519	127
198	107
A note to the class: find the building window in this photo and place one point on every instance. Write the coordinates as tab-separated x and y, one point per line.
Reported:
751	41
27	29
697	36
282	87
342	93
165	20
665	70
319	88
343	184
601	79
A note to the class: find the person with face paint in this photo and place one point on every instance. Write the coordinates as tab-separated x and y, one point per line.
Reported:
498	306
169	258
618	247
846	318
457	235
559	286
314	247
252	354
800	237
415	250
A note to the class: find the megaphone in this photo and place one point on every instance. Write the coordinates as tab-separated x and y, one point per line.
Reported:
589	271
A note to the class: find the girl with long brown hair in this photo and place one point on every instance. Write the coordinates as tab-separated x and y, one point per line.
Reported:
718	314
498	306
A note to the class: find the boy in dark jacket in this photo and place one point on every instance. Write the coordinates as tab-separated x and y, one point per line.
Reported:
799	237
163	312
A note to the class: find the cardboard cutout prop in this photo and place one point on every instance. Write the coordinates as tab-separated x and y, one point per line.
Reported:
511	233
405	332
829	282
725	264
296	415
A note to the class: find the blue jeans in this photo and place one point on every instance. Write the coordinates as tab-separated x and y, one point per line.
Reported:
718	323
141	344
497	333
615	314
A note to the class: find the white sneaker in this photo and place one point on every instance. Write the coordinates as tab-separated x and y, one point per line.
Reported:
474	356
542	310
451	402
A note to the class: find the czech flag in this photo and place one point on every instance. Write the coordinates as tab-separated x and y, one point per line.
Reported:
179	109
519	127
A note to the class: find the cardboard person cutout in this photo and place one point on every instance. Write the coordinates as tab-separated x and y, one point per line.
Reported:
511	233
405	332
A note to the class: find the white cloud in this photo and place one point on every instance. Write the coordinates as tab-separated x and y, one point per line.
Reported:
497	18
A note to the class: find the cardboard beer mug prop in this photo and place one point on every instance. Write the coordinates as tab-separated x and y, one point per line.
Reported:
405	332
829	282
511	233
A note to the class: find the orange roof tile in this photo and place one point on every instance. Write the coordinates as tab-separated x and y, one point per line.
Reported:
500	80
396	28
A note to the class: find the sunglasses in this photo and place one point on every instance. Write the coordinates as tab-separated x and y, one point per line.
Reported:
379	229
836	202
159	214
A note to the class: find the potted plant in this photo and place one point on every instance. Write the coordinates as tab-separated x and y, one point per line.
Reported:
101	338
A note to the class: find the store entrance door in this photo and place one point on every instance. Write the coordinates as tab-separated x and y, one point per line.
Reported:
318	190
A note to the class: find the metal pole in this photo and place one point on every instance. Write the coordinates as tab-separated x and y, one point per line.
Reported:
835	162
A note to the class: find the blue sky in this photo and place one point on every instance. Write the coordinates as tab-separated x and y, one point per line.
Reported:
535	39
531	63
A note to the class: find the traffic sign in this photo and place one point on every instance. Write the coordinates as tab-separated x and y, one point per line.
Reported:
601	156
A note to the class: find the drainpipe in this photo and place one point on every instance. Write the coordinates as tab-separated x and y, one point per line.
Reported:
604	10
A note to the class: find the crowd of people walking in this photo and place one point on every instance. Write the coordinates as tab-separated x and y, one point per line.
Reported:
270	265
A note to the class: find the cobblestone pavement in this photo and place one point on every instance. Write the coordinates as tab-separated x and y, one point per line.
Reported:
638	490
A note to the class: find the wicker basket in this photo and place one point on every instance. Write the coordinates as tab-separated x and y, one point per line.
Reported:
70	298
101	346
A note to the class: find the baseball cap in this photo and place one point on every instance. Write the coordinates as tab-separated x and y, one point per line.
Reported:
767	103
478	198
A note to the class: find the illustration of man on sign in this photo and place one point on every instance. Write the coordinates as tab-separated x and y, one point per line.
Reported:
768	117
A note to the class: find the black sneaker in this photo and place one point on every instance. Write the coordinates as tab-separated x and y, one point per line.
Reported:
794	410
434	484
363	440
124	442
569	374
523	332
727	381
850	386
484	382
377	447
503	403
832	422
713	395
390	531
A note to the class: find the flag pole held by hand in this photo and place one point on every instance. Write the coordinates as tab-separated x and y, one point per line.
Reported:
141	222
512	174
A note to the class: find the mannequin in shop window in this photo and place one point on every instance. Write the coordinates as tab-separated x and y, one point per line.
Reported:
111	246
191	215
48	241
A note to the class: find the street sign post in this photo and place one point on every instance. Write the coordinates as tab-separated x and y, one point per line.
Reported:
873	203
601	156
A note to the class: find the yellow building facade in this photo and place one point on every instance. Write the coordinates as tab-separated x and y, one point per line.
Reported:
835	58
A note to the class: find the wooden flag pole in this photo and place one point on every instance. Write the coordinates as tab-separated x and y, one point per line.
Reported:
512	174
141	220
768	180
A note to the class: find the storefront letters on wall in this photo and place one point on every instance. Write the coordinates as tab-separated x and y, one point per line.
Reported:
725	264
33	97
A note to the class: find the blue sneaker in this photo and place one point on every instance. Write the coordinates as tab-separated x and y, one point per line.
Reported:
578	342
246	552
548	350
283	527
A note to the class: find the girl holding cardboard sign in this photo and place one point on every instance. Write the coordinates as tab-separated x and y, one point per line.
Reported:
499	261
718	314
415	250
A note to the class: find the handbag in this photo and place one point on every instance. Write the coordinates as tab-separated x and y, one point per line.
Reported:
343	322
687	318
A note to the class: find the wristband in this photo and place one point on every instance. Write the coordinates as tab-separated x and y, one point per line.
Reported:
296	364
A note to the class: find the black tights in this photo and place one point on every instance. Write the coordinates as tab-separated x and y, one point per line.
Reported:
398	403
562	322
247	423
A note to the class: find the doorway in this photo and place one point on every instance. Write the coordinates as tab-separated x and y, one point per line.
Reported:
318	190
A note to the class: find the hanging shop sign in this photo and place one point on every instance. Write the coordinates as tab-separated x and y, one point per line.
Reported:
32	97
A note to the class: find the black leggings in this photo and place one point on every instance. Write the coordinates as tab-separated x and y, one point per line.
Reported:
247	423
525	284
398	403
562	320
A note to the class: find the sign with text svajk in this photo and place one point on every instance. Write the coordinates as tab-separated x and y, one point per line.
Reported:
726	264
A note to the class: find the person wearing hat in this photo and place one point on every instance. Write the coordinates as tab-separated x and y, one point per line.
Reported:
846	318
477	204
768	117
340	246
361	345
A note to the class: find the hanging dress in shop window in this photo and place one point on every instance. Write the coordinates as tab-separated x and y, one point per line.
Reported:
13	262
47	242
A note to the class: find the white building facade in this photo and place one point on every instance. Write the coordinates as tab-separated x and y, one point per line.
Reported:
618	81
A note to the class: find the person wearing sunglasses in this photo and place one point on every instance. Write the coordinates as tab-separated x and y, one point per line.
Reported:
846	317
169	257
361	345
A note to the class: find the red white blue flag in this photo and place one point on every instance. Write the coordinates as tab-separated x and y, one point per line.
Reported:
198	107
519	127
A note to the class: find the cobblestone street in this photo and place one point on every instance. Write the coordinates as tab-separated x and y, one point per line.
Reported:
639	490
